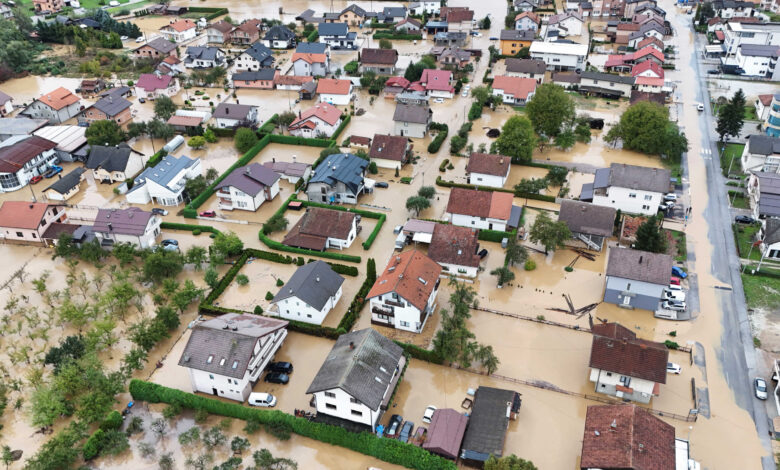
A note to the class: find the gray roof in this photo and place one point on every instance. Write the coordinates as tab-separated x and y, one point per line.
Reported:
419	114
227	339
759	50
772	230
525	66
279	32
517	35
311	47
393	12
250	179
165	171
232	111
67	182
160	44
344	167
639	177
608	77
354	9
769	200
108	158
313	283
260	53
638	265
21	125
116	91
202	52
262	74
488	423
332	29
130	221
288	168
582	217
761	144
362	364
4	98
112	105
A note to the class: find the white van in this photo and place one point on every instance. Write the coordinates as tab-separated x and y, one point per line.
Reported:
674	294
262	399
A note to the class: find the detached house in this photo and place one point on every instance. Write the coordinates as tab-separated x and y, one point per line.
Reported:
589	224
22	158
338	179
337	36
279	37
762	153
379	61
334	91
488	423
219	32
112	108
566	24
133	225
412	120
320	229
156	48
404	296
310	294
226	355
255	58
526	68
484	169
152	85
624	366
357	379
6	104
65	187
233	115
311	59
179	31
636	279
560	56
164	183
48	6
453	57
490	210
409	26
57	106
459	19
763	189
292	172
248	187
430	7
606	84
320	119
27	222
112	164
263	79
513	40
527	21
770	238
632	189
246	33
199	57
389	151
436	83
455	249
514	90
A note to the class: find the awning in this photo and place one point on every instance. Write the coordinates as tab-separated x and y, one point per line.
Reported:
514	217
586	194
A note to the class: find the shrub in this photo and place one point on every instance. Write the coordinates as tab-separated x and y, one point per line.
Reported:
671	344
280	430
437	141
406	180
242	279
258	310
673	333
279	283
443	166
92	446
113	421
245	139
171	411
529	265
269	296
568	269
197	232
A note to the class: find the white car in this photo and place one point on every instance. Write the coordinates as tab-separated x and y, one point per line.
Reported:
670	197
265	400
673	368
438	100
113	3
139	39
760	388
700	107
674	305
465	94
428	415
674	287
678	295
124	38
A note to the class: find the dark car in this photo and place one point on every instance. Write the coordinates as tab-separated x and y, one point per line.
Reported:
142	100
158	211
282	367
381	184
744	219
406	431
482	253
169	241
277	378
53	171
208	214
713	71
394	425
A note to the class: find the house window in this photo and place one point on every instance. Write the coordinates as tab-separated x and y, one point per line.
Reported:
330	394
648	197
352	400
625	380
609	374
210	359
330	406
645	207
211	377
19	234
235	364
405	323
222	361
356	413
628	286
632	195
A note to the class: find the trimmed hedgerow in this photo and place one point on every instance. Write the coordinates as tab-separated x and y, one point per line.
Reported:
269	125
495	235
398	37
344	269
437	141
188	227
156	158
422	354
295	140
389	450
303	251
341	127
451	184
353	312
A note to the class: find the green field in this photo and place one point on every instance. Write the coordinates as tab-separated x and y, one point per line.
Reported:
750	111
761	291
744	236
731	152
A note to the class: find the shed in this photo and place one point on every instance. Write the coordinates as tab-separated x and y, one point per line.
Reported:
174	143
446	433
489	421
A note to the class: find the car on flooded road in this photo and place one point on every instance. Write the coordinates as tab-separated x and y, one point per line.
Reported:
759	386
158	211
672	368
208	214
36	179
277	378
394	425
406	431
679	272
428	415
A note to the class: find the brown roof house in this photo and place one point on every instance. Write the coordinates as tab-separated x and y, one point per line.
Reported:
57	106
589	224
624	366
133	225
156	48
636	279
445	433
320	229
219	32
22	158
404	296
484	169
411	120
455	249
26	222
379	61
248	187
492	210
389	151
628	437
226	355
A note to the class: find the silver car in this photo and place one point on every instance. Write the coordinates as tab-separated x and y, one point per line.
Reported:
760	388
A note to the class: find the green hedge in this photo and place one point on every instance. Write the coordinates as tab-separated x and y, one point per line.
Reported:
294	140
353	312
370	240
437	141
495	235
421	354
313	36
188	227
212	12
223	132
389	450
303	251
451	184
397	36
539	165
341	127
344	269
443	166
156	158
269	125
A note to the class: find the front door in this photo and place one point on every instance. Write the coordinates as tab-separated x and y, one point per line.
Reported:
214	391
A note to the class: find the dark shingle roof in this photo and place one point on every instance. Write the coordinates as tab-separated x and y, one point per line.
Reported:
517	35
451	244
388	147
378	56
362	364
608	77
618	350
583	217
311	48
112	105
226	346
640	177
262	74
772	230
202	52
132	221
250	179
341	167
760	144
160	44
525	66
232	111
67	182
332	29
279	32
418	114
259	52
313	283
108	158
488	423
317	225
488	164
655	268
15	155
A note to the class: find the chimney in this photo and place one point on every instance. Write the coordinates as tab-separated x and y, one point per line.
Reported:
351	345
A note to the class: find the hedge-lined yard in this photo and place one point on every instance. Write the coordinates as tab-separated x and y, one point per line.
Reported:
380	218
195	229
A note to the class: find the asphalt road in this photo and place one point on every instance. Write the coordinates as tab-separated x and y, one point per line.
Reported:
736	355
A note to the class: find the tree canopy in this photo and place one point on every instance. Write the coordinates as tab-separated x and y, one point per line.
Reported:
650	236
105	132
509	462
245	139
517	139
551	110
645	127
549	233
731	116
164	107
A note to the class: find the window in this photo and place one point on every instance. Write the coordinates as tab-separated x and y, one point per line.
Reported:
210	359
625	380
352	400
632	195
405	323
19	234
235	364
628	286
330	406
211	377
330	394
356	413
222	361
648	197
645	207
609	374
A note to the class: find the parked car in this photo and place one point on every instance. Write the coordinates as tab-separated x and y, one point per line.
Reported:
142	100
169	241
700	107
158	211
394	425
465	93
493	38
674	287
35	179
665	206
428	415
674	281
398	229
406	431
419	436
744	219
482	253
670	197
170	247
53	171
261	399
760	388
124	38
139	39
713	71
676	271
438	100
283	367
674	294
208	214
673	368
381	184
277	378
675	305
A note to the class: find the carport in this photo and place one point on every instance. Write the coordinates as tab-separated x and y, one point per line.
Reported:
446	433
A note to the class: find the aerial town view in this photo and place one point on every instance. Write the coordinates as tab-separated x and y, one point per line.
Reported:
378	235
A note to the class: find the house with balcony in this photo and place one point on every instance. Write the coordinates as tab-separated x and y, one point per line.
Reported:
226	355
248	32
437	83
179	31
514	90
404	296
263	79
255	58
455	249
24	222
771	124
337	36
513	40
22	158
459	19
310	294
353	387
338	179
379	61
163	184
204	57
560	56
630	188
311	60
761	153
219	32
624	366
564	24
606	84
484	169
113	164
769	235
248	187
57	106
234	115
736	33
763	104
320	229
589	224
490	210
133	225
754	60
322	119
279	37
636	278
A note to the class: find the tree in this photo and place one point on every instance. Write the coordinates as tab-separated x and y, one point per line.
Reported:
105	132
211	276
196	142
210	136
481	95
385	44
161	264
135	129
46	405
71	348
196	255
159	427
286	118
427	192
645	127
276	223
582	130
503	274
264	460
239	444
214	437
515	253
517	139
551	110
549	233
228	243
731	116
484	23
158	129
705	12
245	139
509	462
81	46
650	236
523	53
194	187
164	107
530	186
557	175
166	461
565	140
417	204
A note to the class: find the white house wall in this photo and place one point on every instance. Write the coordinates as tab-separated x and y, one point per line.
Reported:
643	202
293	308
481	179
478	222
338	403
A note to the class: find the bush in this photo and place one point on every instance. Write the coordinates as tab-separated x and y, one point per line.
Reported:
258	310
269	296
568	269
529	265
443	166
113	421
245	139
437	141
671	344
92	446
343	269
242	279
406	180
494	235
279	283
397	36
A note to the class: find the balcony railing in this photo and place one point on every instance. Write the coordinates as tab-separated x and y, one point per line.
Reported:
394	303
381	311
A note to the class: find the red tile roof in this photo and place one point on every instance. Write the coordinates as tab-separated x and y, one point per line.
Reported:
14	157
528	14
180	25
397	81
648	50
614	350
332	86
187	121
650	40
459	16
412	275
151	82
324	111
518	87
309	57
637	441
645	66
437	80
388	147
287	80
451	244
59	98
488	164
21	214
493	204
652	81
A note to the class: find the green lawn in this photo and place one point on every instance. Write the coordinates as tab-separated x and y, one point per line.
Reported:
750	111
744	236
761	291
731	152
134	6
738	200
682	251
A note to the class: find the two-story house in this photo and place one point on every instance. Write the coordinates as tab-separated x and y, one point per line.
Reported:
560	55
48	6
22	158
763	190
57	106
514	90
412	120
762	153
358	378
490	210
338	179
484	169
389	151
566	24
179	31
279	37
429	7
636	278
337	36
204	57
311	59
335	91
310	294
226	355
256	57
152	85
320	229
248	187
164	183
632	189
379	61
408	26
219	32
588	223
322	119
157	48
513	40
526	68
27	222
624	366
6	104
437	83
527	21
135	226
292	171
109	108
455	249
606	84
248	32
404	296
263	79
112	164
233	115
459	19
